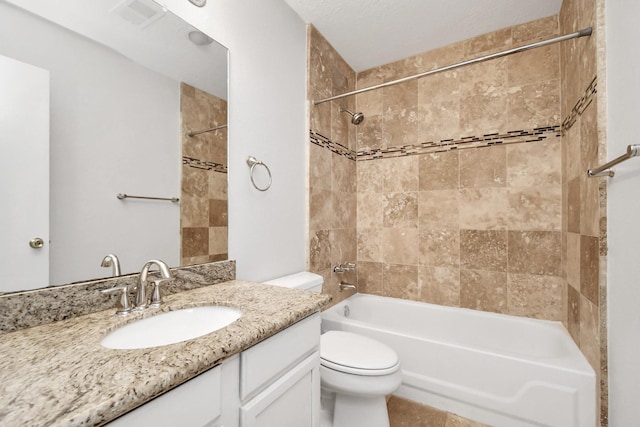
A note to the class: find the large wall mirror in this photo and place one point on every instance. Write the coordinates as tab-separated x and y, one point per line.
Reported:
100	98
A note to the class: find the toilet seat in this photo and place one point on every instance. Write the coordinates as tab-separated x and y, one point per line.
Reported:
356	354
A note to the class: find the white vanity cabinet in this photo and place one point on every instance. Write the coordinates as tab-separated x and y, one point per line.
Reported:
280	378
275	383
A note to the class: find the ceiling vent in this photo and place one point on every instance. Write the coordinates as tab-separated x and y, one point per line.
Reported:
140	13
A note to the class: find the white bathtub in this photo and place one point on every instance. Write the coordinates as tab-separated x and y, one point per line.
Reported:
497	369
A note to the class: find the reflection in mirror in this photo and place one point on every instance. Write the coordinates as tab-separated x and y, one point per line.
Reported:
127	83
204	176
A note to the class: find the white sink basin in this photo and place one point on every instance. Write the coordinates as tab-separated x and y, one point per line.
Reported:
171	327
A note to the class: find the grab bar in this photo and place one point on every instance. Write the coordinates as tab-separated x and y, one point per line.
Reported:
605	170
127	196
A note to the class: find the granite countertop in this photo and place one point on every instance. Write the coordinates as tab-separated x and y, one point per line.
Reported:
59	374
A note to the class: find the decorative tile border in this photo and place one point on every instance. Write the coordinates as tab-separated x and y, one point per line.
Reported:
510	137
335	147
199	164
582	104
487	140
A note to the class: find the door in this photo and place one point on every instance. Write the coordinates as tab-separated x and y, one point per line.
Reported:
24	176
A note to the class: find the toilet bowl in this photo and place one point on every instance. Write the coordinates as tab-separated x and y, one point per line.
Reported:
356	372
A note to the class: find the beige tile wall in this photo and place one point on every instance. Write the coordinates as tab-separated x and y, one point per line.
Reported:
203	200
584	204
477	228
332	183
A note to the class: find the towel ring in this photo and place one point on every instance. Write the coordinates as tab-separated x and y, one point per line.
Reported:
253	162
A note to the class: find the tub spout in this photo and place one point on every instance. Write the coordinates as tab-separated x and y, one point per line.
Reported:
345	285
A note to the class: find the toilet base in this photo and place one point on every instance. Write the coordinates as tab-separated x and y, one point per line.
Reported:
360	411
326	418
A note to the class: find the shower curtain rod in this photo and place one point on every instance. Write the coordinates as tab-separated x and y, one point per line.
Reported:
198	132
581	33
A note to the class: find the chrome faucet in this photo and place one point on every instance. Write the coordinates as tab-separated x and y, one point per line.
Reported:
111	260
344	286
142	301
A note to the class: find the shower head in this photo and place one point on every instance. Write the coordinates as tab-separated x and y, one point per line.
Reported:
356	118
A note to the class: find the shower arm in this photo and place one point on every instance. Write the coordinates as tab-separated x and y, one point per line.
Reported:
584	32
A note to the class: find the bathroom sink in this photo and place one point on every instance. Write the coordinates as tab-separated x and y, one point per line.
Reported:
171	327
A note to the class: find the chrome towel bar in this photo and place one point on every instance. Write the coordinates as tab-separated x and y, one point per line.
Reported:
605	170
198	132
127	196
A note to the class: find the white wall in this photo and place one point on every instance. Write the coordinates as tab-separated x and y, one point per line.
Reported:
267	117
623	293
121	143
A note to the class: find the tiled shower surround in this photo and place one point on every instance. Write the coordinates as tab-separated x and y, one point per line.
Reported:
584	199
203	206
332	169
466	188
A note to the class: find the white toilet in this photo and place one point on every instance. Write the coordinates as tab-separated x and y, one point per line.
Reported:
356	372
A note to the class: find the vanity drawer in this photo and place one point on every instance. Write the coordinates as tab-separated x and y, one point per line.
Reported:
196	402
263	363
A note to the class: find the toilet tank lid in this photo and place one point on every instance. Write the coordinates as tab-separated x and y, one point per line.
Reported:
301	280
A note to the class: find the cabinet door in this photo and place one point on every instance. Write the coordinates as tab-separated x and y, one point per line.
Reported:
292	400
265	362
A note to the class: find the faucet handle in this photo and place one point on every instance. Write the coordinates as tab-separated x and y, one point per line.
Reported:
156	297
342	268
125	302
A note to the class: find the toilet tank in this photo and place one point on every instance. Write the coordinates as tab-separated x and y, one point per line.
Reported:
304	280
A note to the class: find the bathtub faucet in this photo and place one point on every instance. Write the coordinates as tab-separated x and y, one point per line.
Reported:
341	268
344	285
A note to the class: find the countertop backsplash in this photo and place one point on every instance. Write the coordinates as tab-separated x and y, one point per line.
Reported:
38	307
